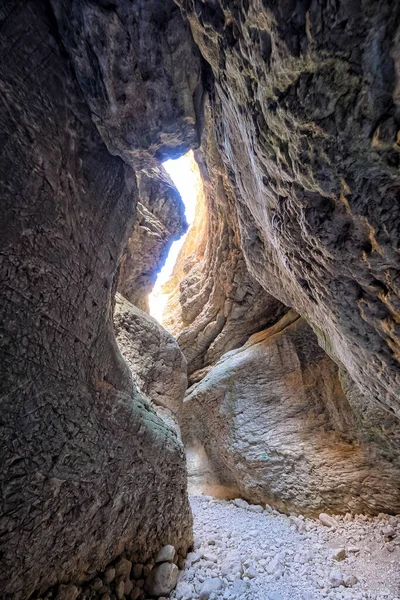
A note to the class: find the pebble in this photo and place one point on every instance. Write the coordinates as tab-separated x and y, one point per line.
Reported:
162	579
328	521
166	554
209	587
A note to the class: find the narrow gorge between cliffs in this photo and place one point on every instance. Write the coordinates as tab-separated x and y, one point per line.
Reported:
200	300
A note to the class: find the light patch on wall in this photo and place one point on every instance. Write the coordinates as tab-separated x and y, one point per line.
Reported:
185	177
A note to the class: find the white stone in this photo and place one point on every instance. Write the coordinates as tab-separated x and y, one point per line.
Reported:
162	579
209	587
327	520
166	554
336	578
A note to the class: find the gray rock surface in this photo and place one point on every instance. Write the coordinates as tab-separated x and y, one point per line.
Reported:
276	426
88	468
157	364
160	221
162	579
306	110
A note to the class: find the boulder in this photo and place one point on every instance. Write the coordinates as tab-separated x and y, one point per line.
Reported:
157	364
275	424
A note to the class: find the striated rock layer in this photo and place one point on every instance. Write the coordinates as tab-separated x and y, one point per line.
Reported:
306	111
157	364
270	422
160	220
214	304
89	471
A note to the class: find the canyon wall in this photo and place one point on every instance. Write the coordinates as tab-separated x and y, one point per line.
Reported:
214	304
305	109
160	221
89	471
302	184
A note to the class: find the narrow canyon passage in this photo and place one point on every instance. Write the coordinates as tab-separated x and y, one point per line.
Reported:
200	399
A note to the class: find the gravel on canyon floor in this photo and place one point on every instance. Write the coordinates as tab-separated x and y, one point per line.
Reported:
248	552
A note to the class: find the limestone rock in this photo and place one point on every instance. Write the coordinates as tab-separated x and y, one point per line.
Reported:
166	554
162	579
160	220
327	520
214	304
85	460
275	424
209	587
157	364
305	111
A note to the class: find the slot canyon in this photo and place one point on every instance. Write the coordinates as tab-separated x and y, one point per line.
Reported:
231	432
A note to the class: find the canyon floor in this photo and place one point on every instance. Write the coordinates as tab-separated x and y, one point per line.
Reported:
245	552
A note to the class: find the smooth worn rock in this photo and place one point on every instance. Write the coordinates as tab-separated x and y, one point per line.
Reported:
327	520
274	424
210	586
166	554
162	579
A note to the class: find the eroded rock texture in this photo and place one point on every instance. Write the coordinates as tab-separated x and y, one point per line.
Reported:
214	303
305	107
160	221
89	471
157	364
271	422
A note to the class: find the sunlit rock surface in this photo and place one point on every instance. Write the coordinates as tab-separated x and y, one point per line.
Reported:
160	221
214	304
271	421
305	108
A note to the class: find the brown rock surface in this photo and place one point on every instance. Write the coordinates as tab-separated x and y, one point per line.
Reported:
214	304
306	111
157	364
276	427
88	469
160	220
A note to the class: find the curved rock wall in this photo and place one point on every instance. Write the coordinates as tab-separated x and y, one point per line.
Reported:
214	303
160	221
305	107
89	471
270	422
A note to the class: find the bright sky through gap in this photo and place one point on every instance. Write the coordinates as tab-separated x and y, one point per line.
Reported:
184	178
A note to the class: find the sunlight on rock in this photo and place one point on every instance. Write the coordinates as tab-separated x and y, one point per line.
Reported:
185	174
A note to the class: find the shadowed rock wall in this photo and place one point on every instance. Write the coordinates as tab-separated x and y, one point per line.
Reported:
89	471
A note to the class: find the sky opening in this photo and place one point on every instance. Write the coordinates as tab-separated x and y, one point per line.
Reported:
182	174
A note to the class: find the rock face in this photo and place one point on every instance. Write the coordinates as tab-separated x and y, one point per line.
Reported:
275	424
160	220
306	112
214	303
88	468
157	364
